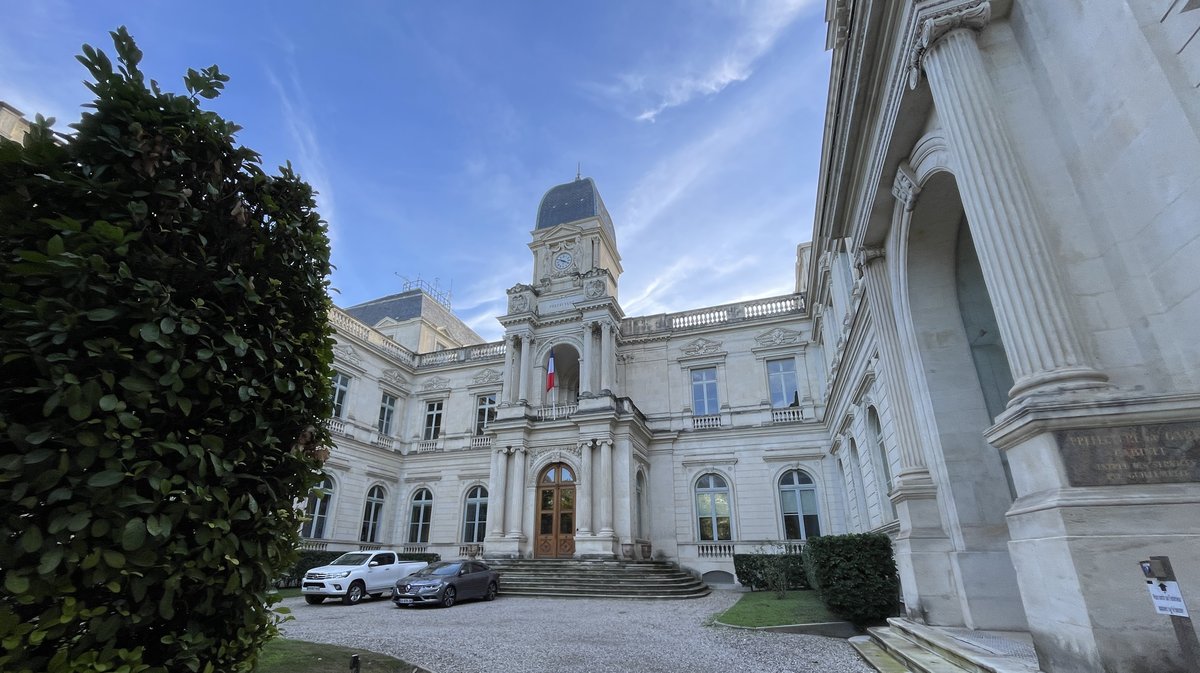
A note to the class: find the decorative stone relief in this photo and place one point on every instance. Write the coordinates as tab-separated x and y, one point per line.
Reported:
701	346
488	376
626	358
393	376
595	288
905	187
436	383
974	14
346	352
518	303
778	337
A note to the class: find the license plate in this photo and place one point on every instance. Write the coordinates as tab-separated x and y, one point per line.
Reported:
404	601
310	589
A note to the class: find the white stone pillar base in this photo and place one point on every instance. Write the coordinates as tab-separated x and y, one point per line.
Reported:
504	547
595	546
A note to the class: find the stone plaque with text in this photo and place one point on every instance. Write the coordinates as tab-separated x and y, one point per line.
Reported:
1165	453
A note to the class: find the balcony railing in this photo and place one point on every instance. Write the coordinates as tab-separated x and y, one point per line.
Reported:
787	415
713	315
555	412
719	550
429	445
337	426
481	442
470	551
383	441
414	549
705	422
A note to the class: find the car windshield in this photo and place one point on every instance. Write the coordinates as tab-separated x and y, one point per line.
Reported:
352	559
439	570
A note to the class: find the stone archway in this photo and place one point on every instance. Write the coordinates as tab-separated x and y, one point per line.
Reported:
952	330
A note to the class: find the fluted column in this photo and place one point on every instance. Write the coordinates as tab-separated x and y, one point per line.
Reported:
870	262
497	490
516	493
606	487
583	504
1041	342
523	388
585	367
606	355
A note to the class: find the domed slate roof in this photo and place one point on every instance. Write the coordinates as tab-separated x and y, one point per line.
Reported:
573	201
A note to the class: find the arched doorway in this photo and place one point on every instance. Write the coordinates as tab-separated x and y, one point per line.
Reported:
963	385
556	512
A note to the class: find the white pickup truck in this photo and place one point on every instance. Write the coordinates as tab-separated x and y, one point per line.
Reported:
355	575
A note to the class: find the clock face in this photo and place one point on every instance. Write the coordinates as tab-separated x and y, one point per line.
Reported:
562	261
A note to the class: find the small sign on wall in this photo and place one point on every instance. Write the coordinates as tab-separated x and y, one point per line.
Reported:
1167	598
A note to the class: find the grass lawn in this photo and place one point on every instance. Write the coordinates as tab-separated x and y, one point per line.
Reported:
762	608
293	592
296	656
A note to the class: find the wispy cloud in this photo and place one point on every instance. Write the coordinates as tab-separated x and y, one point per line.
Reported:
710	69
310	162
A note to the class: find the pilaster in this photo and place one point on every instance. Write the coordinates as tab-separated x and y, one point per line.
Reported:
516	503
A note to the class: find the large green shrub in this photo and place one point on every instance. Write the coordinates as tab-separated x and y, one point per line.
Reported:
855	575
770	571
164	364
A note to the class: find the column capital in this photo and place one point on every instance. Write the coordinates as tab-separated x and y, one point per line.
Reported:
584	444
866	255
971	14
905	187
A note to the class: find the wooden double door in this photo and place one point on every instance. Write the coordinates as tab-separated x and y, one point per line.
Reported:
556	513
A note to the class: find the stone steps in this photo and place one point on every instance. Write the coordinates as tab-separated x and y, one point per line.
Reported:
568	578
905	646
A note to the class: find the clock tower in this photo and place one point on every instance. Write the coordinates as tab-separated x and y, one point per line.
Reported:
574	245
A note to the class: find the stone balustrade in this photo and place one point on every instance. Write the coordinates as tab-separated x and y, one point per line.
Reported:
384	441
555	412
787	415
705	422
481	442
337	426
713	315
429	446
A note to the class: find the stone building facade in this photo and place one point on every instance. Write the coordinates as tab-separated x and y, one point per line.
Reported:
686	436
1002	260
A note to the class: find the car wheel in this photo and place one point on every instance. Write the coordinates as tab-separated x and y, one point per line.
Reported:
314	600
448	597
354	594
491	592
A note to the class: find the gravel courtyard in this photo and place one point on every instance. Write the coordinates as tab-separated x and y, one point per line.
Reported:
518	635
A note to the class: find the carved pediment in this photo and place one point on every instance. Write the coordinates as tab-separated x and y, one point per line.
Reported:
778	337
347	353
437	383
393	376
701	346
488	375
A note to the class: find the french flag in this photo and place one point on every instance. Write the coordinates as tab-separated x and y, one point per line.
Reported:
550	373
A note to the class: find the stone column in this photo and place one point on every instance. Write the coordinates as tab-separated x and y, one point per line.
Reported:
498	487
508	386
606	486
1043	346
606	356
870	262
516	492
523	388
585	365
583	505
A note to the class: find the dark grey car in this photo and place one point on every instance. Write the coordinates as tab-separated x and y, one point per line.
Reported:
445	583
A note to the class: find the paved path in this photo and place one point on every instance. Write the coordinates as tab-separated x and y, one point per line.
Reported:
525	635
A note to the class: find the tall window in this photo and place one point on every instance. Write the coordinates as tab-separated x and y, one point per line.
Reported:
712	508
781	381
475	515
433	420
798	502
704	392
885	469
372	515
422	511
341	386
387	411
317	510
485	412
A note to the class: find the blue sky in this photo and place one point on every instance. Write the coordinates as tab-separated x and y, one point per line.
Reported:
432	130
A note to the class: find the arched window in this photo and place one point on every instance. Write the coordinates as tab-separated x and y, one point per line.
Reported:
475	515
317	510
713	511
860	492
798	502
372	514
885	468
422	511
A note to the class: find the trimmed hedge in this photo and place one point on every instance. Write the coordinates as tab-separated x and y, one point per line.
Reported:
855	575
752	570
164	378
